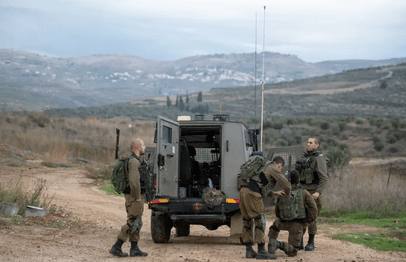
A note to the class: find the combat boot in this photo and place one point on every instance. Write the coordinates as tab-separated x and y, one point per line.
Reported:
273	245
135	251
249	252
263	254
116	249
289	249
310	244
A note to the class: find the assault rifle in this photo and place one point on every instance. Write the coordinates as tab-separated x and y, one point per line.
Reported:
117	142
147	179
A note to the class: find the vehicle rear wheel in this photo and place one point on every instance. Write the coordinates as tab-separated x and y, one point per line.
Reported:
183	230
161	226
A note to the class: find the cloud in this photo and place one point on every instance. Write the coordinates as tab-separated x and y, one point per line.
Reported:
167	30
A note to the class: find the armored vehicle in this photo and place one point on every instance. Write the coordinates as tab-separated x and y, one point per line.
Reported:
197	163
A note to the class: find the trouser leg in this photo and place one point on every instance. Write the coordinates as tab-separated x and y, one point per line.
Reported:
247	232
259	230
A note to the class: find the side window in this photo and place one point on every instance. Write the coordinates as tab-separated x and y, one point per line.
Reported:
167	134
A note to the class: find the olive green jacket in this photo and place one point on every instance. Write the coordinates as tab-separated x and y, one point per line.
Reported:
134	177
318	165
274	175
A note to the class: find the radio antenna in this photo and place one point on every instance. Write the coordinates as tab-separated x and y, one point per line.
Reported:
255	68
263	83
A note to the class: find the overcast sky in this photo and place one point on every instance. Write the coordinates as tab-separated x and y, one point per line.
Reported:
173	29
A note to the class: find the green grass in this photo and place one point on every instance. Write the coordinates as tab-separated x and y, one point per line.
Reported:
393	237
374	241
109	189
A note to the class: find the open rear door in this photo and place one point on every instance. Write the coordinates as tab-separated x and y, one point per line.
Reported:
167	157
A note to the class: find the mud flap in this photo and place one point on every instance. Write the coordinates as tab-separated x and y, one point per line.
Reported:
236	225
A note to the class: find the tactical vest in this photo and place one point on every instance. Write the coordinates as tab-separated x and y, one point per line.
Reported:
309	174
292	208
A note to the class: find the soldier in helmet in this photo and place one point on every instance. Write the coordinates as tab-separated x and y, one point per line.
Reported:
293	212
252	207
313	177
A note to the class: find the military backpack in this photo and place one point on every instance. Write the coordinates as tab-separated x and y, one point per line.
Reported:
291	207
253	168
119	176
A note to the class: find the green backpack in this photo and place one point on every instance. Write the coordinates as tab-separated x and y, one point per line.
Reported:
119	176
253	168
290	208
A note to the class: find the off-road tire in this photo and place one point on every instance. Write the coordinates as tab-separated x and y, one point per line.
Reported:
183	230
161	226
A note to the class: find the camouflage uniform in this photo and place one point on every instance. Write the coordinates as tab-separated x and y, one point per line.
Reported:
314	179
134	203
294	227
252	207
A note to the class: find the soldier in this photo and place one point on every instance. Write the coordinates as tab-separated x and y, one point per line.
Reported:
134	204
252	206
313	178
293	213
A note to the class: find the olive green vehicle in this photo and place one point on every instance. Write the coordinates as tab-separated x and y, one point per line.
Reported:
196	168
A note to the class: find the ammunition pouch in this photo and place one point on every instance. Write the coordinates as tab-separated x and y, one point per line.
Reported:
307	176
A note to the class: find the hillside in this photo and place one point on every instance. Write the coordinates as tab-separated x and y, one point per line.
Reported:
375	92
29	81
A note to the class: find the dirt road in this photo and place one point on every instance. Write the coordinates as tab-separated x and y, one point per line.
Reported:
102	215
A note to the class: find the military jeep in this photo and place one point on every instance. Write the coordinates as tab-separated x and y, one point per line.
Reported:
193	158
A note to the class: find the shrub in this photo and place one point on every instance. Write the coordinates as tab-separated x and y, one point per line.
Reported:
338	153
393	149
359	121
342	126
376	139
282	142
391	139
371	120
335	130
271	135
379	146
398	135
325	125
395	123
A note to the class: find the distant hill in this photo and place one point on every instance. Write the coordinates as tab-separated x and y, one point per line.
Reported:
29	81
377	92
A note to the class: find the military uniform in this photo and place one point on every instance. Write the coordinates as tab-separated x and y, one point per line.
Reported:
252	206
313	178
134	206
295	226
134	203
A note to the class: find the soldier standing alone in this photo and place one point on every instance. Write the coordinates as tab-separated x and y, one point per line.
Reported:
134	204
313	178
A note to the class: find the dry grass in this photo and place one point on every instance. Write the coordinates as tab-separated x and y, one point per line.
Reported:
15	191
365	189
63	138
